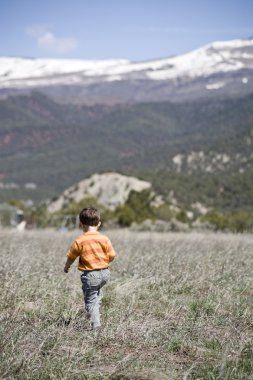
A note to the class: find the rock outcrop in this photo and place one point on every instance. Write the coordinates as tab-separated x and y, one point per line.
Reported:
110	190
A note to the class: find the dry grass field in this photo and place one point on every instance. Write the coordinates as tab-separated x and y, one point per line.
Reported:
179	306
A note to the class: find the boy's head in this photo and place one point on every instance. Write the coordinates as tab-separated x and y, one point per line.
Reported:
89	216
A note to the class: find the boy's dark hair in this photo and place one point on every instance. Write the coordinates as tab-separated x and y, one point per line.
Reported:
90	216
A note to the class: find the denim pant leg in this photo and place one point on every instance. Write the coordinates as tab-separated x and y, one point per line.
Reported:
92	283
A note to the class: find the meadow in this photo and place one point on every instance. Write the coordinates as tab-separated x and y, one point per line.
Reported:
179	306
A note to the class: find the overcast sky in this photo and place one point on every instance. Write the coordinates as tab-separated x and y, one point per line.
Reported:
131	29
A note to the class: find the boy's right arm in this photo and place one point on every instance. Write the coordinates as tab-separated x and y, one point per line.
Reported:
68	264
72	254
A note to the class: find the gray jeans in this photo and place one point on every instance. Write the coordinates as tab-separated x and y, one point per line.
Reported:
93	281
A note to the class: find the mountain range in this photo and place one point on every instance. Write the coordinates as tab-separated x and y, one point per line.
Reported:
215	69
184	123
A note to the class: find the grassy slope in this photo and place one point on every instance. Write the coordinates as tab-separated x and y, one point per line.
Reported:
178	306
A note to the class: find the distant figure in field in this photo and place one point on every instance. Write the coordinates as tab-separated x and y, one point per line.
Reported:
95	253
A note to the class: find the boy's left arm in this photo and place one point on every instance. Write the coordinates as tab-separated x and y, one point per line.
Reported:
110	251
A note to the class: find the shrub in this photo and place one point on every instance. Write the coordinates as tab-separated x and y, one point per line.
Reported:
136	209
125	215
240	221
164	212
216	219
182	216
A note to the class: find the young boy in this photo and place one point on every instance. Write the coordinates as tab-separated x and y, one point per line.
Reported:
95	253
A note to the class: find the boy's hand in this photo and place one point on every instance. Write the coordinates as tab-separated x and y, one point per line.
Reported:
68	263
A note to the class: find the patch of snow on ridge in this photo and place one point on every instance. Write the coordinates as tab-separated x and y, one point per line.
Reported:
215	86
113	78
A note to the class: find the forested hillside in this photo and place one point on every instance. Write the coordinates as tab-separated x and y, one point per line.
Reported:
194	148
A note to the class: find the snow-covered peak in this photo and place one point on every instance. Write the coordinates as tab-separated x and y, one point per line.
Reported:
217	57
213	58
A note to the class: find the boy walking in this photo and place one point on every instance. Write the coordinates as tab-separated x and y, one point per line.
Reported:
95	253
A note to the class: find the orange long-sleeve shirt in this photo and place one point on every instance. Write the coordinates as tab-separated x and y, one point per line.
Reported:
95	251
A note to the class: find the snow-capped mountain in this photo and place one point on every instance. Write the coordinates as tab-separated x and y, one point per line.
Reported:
218	66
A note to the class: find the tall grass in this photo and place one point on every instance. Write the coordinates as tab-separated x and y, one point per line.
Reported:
179	306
